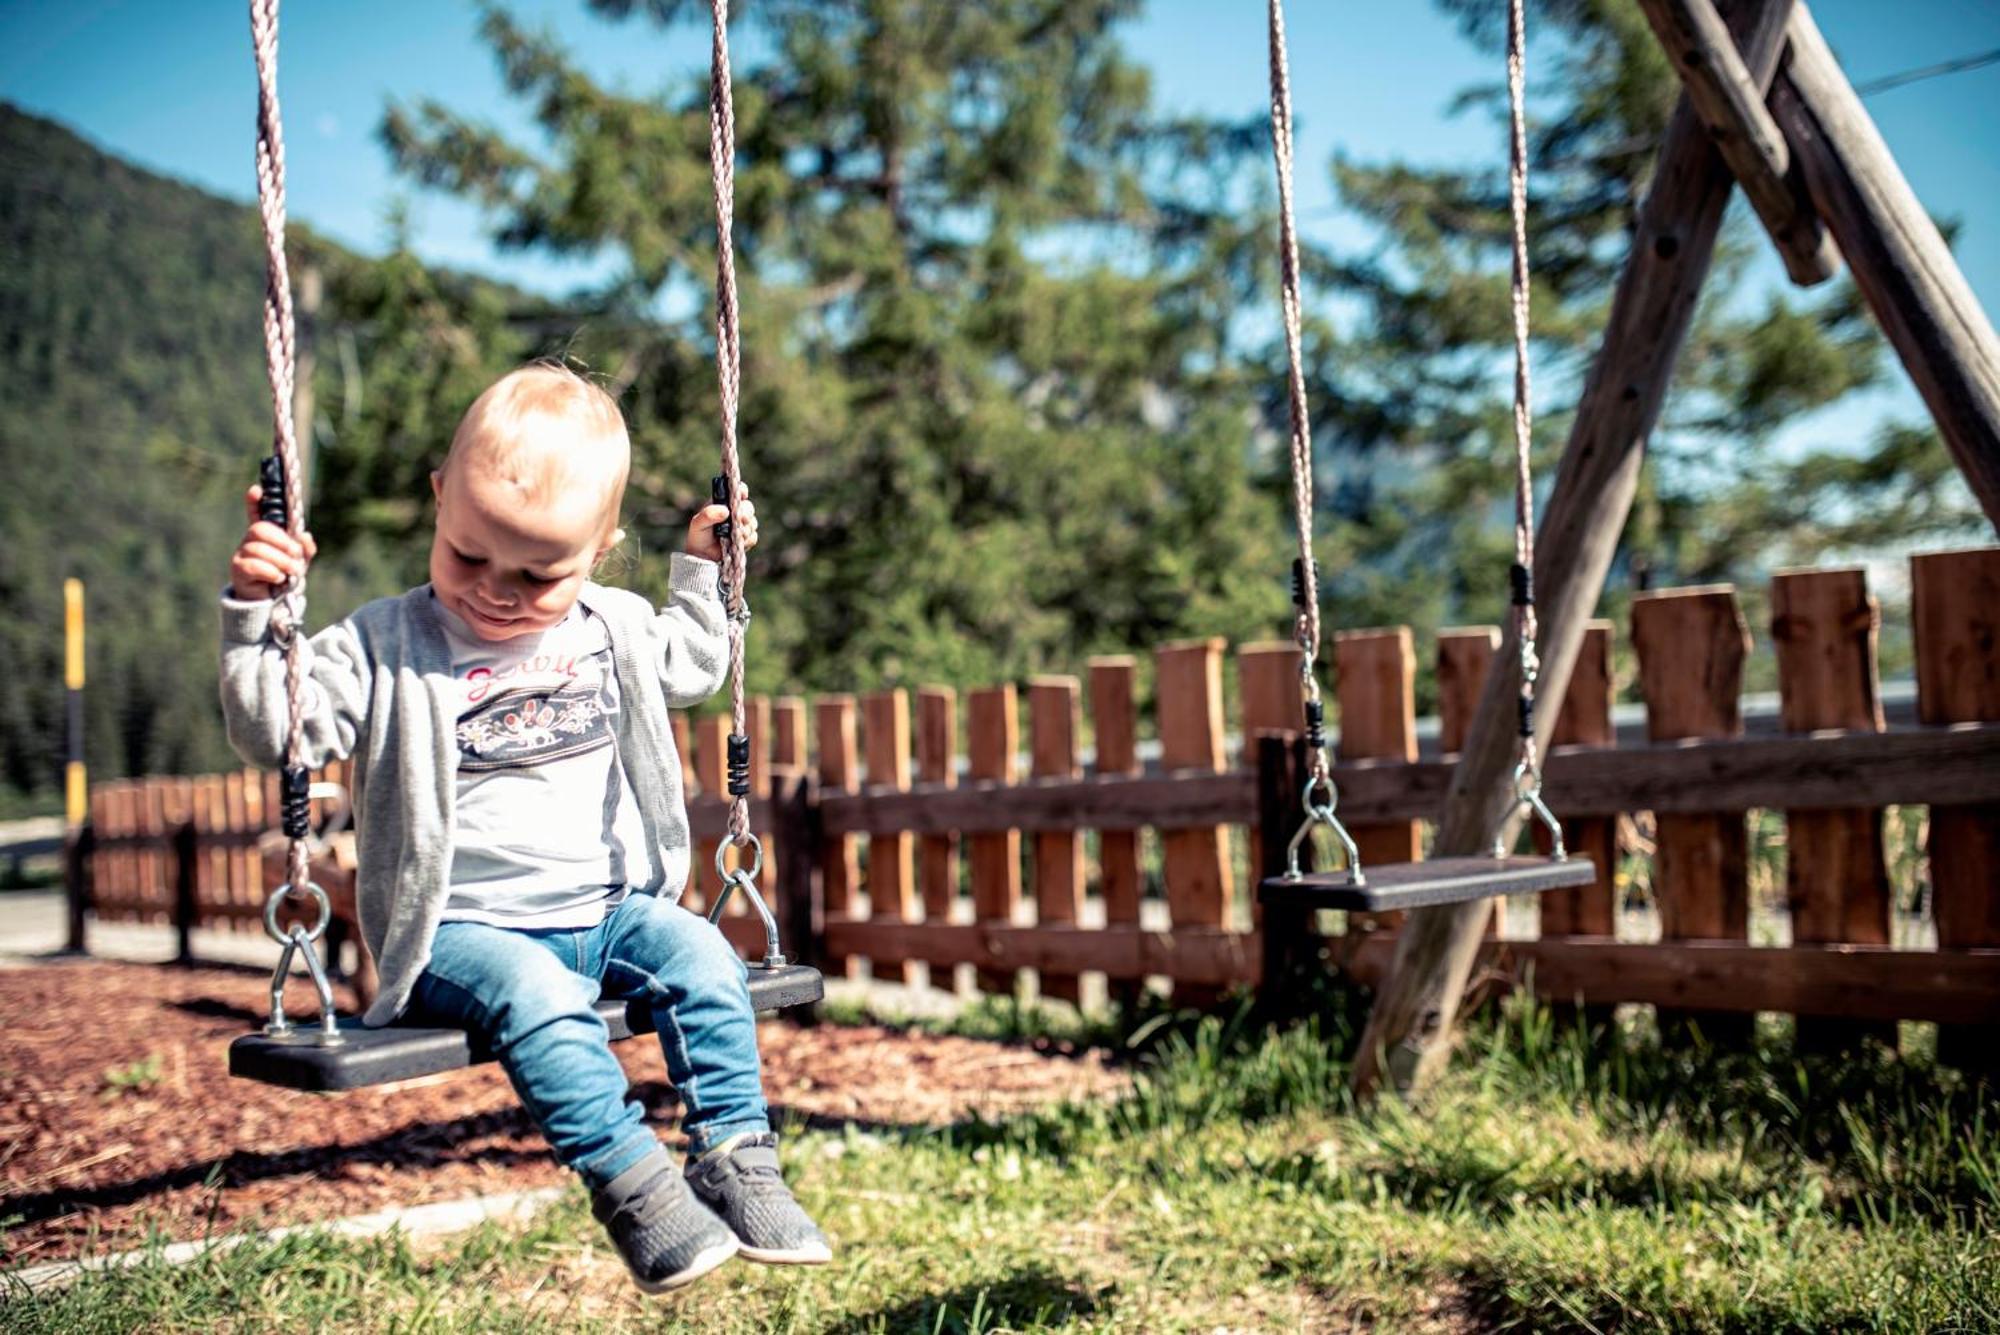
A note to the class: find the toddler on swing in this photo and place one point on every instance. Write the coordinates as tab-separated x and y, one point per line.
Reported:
523	833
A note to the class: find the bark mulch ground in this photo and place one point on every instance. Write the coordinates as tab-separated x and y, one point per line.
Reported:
118	1117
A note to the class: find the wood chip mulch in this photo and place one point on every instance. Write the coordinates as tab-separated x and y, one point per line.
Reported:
117	1110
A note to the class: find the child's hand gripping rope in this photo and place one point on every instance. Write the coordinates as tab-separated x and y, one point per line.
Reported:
268	556
701	536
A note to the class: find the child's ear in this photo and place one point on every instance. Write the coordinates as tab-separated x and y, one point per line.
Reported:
437	485
611	545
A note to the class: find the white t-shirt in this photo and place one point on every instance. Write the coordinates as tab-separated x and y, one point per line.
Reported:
548	830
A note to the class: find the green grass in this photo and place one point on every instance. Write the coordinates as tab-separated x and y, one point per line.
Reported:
1555	1180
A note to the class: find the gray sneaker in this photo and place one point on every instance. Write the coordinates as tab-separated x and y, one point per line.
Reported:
739	1179
667	1237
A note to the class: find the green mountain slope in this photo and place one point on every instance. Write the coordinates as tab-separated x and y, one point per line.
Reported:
132	406
133	410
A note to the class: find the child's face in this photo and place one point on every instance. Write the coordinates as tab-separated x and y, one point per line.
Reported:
507	566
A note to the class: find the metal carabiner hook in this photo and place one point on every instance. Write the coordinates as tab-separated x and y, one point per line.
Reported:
299	941
1321	813
1528	797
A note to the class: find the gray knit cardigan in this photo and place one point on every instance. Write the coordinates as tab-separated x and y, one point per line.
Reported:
377	689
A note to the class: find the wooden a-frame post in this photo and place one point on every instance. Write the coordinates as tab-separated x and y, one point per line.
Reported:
1827	152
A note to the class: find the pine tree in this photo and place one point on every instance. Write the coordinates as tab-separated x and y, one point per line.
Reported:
1418	438
992	408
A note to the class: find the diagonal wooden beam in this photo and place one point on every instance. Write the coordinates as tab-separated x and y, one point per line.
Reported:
1899	259
1409	1029
1730	103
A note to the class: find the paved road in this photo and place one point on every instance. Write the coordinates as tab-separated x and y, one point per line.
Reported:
35	923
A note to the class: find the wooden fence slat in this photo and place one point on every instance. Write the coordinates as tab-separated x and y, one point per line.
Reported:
788	734
1273	700
1463	656
1955	607
1199	875
246	876
787	767
1585	720
1375	682
1200	886
136	874
1691	645
1114	718
100	877
1054	720
184	863
209	865
992	728
1825	625
1114	721
937	854
227	862
839	771
157	886
125	808
892	872
110	875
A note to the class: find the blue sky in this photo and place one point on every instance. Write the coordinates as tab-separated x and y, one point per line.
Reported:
170	86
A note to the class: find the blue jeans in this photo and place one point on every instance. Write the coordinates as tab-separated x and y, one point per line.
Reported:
531	995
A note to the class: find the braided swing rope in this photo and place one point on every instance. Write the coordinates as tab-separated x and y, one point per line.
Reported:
288	617
1527	774
728	367
280	365
1524	484
735	566
1306	576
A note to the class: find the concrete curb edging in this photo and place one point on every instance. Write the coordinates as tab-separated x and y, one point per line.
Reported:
517	1207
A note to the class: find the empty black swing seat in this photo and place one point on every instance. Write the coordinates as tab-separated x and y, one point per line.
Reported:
367	1056
1414	885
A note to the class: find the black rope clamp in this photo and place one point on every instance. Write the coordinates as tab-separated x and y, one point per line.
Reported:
739	765
271	479
718	494
1527	703
1523	580
296	801
1316	725
1299	582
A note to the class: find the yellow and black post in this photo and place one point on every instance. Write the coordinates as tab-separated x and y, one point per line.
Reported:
76	782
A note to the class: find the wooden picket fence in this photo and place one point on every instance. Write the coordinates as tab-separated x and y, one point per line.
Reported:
1013	857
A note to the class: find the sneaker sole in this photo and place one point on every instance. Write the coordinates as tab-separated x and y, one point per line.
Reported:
813	1254
703	1262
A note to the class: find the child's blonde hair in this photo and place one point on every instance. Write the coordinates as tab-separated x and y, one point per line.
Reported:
511	432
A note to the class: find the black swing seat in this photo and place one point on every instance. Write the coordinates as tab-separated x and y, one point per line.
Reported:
1416	885
396	1052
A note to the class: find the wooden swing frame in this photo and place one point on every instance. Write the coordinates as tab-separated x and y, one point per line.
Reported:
1765	105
